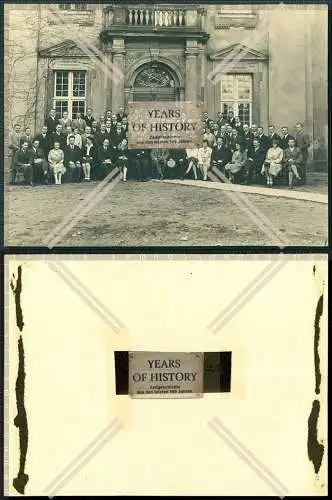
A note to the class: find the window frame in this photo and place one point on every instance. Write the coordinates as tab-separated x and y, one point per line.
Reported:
236	101
70	98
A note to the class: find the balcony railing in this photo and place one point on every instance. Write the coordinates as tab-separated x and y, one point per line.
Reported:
155	17
152	17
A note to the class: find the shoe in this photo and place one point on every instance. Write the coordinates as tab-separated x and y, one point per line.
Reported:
31	183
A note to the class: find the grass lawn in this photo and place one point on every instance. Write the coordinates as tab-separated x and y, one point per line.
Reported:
156	214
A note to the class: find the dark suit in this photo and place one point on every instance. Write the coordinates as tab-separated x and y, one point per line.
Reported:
254	164
284	141
39	169
22	163
247	141
45	143
88	120
274	137
51	124
116	137
264	141
60	138
102	155
220	156
73	155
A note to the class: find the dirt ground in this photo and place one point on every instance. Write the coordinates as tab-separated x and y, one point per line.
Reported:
158	214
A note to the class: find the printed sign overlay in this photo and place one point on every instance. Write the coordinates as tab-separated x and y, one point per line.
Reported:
164	125
166	375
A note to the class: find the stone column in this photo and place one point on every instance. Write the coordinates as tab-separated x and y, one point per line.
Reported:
192	76
106	89
118	51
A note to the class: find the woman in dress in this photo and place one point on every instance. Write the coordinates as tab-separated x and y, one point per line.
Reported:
55	160
273	163
192	159
122	158
239	160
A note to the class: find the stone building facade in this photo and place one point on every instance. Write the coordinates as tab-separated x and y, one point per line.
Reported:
267	64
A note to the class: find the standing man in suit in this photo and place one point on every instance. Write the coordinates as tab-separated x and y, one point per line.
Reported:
109	131
27	136
273	136
14	145
247	137
79	123
45	141
59	137
302	142
263	139
51	122
285	136
73	159
65	121
88	118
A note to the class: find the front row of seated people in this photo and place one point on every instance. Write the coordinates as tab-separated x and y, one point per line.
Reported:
91	163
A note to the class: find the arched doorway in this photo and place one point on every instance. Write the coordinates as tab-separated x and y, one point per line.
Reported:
156	82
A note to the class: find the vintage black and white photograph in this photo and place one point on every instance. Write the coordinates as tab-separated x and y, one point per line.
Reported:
145	124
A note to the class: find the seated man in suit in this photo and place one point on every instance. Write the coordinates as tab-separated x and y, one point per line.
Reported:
179	157
73	160
22	163
220	155
255	159
158	162
39	164
293	160
105	158
139	160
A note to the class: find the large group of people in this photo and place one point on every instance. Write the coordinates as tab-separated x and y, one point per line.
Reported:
84	149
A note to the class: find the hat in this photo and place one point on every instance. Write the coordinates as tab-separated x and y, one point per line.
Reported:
171	163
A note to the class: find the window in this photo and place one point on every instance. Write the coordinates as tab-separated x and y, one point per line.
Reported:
236	96
69	92
73	6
